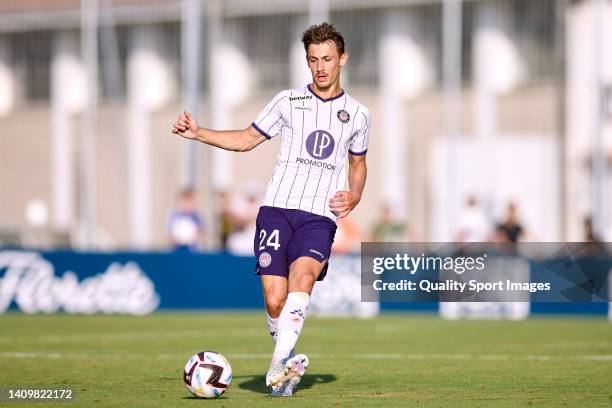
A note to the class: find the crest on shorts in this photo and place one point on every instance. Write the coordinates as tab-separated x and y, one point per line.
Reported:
265	259
343	116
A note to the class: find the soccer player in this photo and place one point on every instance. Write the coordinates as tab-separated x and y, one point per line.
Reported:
320	125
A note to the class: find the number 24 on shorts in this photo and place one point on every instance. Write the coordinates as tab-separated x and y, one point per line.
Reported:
272	241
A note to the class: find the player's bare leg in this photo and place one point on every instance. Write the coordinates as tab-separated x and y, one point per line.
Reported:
285	371
303	274
275	294
275	290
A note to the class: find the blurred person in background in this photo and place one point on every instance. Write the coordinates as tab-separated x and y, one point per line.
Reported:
473	223
348	236
593	244
244	215
320	127
510	229
473	227
589	230
225	222
185	226
37	234
387	228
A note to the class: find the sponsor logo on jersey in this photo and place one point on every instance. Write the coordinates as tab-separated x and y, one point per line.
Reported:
299	98
306	108
315	163
320	144
265	259
314	251
343	116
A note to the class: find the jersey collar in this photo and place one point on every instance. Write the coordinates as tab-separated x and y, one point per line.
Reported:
328	99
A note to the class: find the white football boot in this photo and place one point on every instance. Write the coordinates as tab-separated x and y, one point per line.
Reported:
285	374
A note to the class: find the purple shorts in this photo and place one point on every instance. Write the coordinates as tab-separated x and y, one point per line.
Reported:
284	235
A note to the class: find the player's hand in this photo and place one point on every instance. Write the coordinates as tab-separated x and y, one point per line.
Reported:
186	126
343	202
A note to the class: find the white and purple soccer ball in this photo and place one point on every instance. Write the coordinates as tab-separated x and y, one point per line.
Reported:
207	374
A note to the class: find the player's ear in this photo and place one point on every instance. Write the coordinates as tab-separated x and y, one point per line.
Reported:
344	59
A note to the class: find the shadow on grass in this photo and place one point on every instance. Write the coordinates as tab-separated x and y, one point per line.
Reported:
193	397
257	383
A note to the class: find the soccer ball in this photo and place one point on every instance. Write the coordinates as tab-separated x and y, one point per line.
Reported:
207	374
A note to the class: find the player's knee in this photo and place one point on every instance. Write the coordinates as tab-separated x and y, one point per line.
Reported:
304	282
274	305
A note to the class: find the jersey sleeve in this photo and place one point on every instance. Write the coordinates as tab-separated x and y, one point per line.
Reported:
269	122
359	144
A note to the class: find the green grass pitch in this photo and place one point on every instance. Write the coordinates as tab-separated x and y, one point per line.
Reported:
393	360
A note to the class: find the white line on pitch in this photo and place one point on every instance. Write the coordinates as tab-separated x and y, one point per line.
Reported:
357	356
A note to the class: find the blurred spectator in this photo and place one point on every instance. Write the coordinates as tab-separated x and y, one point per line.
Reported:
510	230
593	244
185	225
589	230
348	236
36	234
473	224
224	218
244	215
387	228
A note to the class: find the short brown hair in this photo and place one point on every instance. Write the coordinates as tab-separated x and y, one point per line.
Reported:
324	32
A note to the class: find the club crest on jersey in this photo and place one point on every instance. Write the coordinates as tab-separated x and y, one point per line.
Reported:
320	144
265	259
343	116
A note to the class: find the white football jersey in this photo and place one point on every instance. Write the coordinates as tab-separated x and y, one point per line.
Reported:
316	136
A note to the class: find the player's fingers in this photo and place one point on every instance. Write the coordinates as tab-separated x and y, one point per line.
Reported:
190	118
337	197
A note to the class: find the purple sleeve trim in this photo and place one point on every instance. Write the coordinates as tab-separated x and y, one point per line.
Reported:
359	153
267	136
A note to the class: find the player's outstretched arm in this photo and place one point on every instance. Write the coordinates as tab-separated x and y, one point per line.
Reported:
234	140
343	202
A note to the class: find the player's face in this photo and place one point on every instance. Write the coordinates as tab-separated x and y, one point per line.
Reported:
325	63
